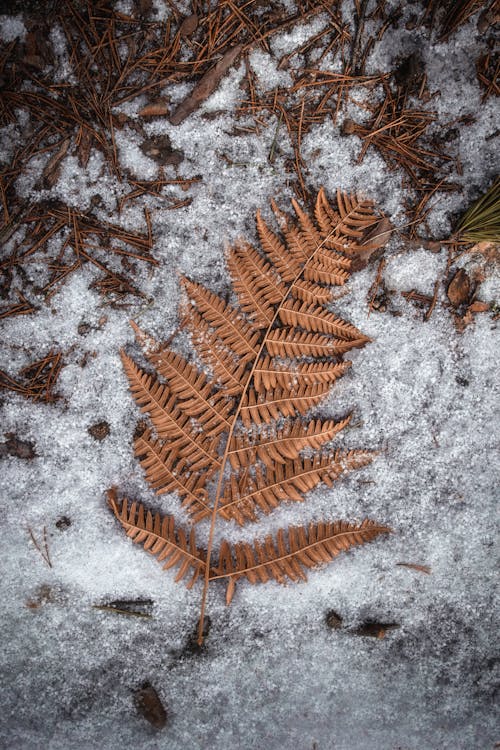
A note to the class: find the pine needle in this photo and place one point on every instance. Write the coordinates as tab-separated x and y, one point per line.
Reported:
481	223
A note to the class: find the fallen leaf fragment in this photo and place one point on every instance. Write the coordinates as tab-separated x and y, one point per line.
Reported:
206	86
189	25
479	307
13	446
459	288
149	705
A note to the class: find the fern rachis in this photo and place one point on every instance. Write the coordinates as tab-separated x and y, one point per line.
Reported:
273	357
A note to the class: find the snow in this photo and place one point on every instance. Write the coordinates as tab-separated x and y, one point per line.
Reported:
272	673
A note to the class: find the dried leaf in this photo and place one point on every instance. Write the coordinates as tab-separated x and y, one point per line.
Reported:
479	307
155	109
189	25
149	705
282	313
459	288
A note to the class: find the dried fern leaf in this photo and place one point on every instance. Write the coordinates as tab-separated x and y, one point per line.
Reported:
166	473
277	446
309	233
185	440
294	550
269	373
265	488
272	357
260	407
235	332
283	260
257	288
195	395
159	537
230	372
317	320
292	342
309	291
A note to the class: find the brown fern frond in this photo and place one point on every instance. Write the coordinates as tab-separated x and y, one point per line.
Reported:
294	550
238	444
292	342
272	445
264	407
230	373
195	395
165	472
318	272
232	328
283	260
199	451
317	320
269	373
161	538
265	488
309	291
258	290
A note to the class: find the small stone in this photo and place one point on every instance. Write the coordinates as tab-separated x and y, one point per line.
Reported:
99	431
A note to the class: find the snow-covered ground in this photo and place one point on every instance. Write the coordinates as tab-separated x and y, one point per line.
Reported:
272	672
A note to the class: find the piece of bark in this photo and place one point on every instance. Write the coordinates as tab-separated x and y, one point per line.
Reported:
206	86
459	288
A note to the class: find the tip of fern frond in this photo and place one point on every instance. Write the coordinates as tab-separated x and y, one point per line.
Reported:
138	331
112	500
143	339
